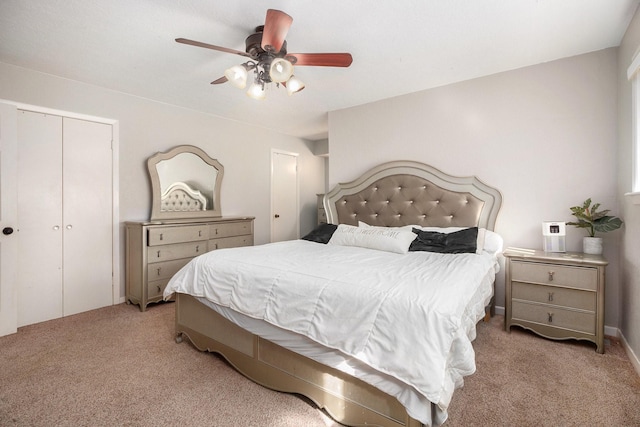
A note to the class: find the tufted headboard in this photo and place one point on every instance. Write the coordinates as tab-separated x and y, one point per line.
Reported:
411	193
180	197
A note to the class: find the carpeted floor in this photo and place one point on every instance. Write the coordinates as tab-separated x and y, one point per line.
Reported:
117	366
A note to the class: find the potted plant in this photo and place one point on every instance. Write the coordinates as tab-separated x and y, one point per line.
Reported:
594	221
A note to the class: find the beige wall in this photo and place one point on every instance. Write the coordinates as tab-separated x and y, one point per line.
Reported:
147	127
544	135
630	249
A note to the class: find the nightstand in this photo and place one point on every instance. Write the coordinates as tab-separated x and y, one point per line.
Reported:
556	295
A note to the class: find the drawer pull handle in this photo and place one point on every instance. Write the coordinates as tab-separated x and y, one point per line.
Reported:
550	317
216	231
159	268
198	248
199	233
216	245
551	273
550	296
159	288
161	236
158	254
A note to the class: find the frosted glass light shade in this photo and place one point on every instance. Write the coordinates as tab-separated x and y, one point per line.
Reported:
237	76
256	91
280	70
294	85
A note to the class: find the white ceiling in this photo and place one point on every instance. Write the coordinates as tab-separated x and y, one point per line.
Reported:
398	47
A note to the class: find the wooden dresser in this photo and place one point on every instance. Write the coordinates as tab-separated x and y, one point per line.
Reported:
322	215
156	251
556	295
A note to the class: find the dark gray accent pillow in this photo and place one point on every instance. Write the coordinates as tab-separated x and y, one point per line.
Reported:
458	242
321	234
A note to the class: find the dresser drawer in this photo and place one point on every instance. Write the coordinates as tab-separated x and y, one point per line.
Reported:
177	251
229	229
552	274
322	216
177	234
581	321
231	242
155	289
166	269
572	298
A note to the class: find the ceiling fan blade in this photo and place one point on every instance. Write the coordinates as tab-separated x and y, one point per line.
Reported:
222	79
211	46
320	59
276	27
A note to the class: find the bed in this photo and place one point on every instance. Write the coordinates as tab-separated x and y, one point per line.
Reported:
392	355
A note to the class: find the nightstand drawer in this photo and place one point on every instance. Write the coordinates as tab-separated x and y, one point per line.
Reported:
581	321
585	300
556	275
170	252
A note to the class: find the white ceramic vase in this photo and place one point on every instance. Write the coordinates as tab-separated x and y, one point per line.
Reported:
592	245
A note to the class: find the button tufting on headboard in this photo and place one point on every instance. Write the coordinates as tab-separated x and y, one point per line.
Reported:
411	193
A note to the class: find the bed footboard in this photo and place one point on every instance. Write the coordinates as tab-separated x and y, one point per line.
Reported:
347	399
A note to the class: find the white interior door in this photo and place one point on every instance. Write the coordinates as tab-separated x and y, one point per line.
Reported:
284	197
65	216
8	220
40	228
87	215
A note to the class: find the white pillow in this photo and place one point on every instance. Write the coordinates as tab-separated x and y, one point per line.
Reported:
493	242
402	227
390	239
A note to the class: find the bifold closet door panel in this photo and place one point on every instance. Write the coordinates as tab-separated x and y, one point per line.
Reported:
40	227
87	214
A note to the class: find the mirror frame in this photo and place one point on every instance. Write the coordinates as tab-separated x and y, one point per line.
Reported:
156	192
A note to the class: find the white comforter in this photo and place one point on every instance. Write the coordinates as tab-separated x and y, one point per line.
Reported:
411	316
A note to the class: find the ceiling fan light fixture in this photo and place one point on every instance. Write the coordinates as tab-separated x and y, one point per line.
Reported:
281	70
294	85
237	75
257	91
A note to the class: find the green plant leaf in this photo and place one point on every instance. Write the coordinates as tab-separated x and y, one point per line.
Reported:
589	218
607	223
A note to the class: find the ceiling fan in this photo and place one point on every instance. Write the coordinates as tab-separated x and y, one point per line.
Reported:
269	59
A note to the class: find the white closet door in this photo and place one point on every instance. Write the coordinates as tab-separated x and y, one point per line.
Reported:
39	217
8	219
87	213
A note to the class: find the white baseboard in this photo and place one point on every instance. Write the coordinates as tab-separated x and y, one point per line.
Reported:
612	332
633	358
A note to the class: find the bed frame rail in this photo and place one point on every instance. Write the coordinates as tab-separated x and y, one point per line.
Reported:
348	400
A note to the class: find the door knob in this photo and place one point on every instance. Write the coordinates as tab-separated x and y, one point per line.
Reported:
7	230
277	216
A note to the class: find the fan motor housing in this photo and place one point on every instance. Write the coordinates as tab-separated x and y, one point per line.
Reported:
254	48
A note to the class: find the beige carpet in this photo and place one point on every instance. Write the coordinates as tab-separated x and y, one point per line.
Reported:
119	367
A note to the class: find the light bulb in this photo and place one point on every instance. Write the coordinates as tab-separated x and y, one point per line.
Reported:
256	91
280	70
237	76
294	85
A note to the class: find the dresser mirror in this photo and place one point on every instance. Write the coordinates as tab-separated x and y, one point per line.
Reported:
185	184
